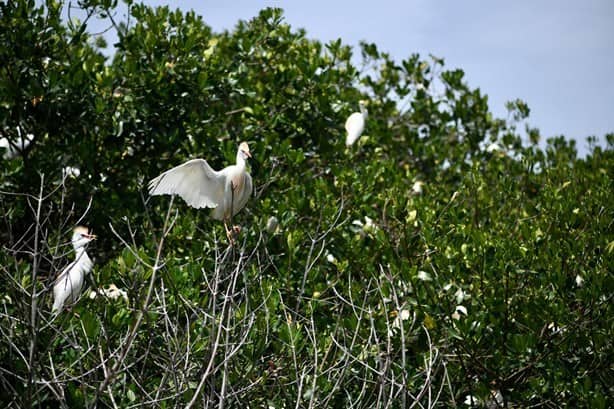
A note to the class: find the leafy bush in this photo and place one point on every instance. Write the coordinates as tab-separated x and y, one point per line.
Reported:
439	262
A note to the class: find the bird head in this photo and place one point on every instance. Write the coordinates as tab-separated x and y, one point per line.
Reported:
363	107
244	151
81	236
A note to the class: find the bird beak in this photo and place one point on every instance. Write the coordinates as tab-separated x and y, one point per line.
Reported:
249	155
91	236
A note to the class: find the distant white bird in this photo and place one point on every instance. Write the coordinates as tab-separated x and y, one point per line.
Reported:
226	190
70	171
417	187
111	291
69	284
355	124
494	147
18	145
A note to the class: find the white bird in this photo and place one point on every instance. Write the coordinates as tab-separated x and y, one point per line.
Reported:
226	190
111	292
70	171
355	124
417	187
69	284
18	145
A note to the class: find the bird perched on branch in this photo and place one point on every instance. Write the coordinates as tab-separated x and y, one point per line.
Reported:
69	284
226	190
17	146
355	124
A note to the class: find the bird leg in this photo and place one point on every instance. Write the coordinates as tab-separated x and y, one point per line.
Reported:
228	233
232	233
235	230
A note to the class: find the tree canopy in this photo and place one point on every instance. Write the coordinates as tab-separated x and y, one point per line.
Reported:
445	259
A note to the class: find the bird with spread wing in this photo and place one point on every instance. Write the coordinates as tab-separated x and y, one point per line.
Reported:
199	185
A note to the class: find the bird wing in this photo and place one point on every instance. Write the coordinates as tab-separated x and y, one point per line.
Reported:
195	181
67	286
354	126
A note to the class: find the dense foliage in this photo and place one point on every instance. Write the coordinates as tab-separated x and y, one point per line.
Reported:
441	261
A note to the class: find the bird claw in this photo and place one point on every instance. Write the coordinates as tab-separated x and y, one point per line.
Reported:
230	237
233	233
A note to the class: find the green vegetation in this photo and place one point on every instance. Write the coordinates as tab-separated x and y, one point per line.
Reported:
493	280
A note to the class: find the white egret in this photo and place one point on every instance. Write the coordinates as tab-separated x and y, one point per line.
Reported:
494	147
355	124
226	190
69	283
17	146
111	292
70	171
417	187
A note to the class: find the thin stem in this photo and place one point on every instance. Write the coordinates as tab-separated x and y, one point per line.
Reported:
34	296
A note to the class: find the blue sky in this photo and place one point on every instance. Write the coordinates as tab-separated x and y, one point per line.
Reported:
558	56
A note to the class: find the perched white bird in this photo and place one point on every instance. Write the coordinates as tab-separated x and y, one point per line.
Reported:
69	283
18	145
417	187
226	190
111	292
70	171
355	124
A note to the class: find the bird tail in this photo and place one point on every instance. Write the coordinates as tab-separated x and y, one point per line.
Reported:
351	138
